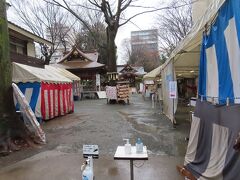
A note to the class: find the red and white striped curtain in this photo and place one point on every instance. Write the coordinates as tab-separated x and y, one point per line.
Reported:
56	100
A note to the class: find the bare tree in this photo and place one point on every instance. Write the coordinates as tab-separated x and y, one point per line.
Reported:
95	38
45	20
142	57
85	40
174	23
126	50
112	17
113	12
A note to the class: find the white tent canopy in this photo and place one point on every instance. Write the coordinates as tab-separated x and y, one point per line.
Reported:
63	72
24	73
153	74
184	60
186	55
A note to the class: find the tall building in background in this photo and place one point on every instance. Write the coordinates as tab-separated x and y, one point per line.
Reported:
144	46
145	39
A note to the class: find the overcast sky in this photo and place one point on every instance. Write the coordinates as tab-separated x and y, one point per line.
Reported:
142	22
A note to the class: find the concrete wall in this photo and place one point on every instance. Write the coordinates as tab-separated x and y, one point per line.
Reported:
31	49
198	8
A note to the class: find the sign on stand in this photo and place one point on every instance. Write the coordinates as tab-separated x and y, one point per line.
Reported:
98	81
173	89
173	95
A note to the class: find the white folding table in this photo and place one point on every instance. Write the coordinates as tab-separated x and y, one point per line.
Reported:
121	155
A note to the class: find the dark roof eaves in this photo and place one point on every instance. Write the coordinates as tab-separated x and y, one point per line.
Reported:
28	32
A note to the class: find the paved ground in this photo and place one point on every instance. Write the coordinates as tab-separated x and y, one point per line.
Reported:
95	122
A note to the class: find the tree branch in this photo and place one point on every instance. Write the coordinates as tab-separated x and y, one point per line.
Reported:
86	7
95	3
74	14
150	11
126	5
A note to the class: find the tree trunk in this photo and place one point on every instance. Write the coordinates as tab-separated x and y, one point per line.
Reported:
5	65
111	48
7	110
47	60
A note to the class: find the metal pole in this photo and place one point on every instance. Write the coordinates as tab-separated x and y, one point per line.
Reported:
173	114
173	109
153	100
131	169
174	122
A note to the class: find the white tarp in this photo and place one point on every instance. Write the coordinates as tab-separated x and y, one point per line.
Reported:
187	54
63	72
167	76
69	75
185	57
24	73
29	118
153	74
102	94
148	82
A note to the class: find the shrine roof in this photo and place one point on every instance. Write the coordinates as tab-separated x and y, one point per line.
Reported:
128	69
76	53
76	59
79	65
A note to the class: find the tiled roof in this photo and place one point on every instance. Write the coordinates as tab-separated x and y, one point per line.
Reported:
128	68
30	33
139	69
87	56
76	59
79	65
27	60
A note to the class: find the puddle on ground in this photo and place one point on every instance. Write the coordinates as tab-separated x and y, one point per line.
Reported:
113	171
66	148
157	134
139	125
63	123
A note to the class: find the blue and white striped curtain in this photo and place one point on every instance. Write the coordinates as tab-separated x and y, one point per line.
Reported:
32	93
219	77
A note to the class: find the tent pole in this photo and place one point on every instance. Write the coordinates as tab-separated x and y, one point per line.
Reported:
173	115
174	121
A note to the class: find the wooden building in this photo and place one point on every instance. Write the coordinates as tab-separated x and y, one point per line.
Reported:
84	65
130	73
22	47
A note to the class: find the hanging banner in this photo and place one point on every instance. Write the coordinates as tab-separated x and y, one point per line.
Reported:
98	80
169	106
173	89
141	87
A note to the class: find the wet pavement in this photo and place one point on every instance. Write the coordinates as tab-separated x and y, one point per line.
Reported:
96	122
